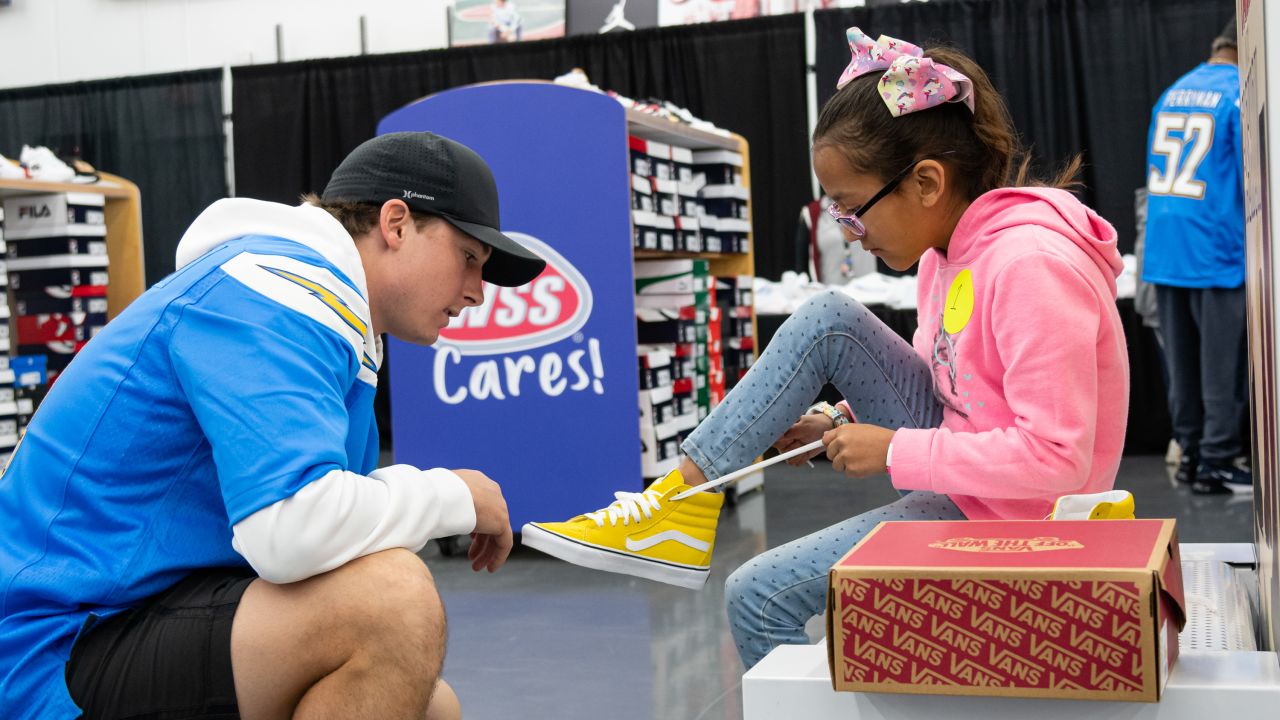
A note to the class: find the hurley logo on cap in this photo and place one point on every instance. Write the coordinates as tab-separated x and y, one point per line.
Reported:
408	194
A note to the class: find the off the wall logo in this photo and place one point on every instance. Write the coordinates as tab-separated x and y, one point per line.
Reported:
553	307
1005	545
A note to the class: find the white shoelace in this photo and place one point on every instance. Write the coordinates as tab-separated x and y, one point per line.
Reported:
628	507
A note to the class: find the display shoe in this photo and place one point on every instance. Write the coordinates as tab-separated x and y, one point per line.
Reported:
10	170
1223	478
1110	505
645	534
44	165
85	173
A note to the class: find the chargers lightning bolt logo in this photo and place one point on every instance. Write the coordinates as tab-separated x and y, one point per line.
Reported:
333	302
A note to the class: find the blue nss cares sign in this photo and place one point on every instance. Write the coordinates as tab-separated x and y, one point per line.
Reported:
537	386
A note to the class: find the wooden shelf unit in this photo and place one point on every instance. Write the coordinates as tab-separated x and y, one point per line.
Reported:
648	127
124	232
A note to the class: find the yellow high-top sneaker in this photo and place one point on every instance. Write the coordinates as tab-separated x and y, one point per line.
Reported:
645	534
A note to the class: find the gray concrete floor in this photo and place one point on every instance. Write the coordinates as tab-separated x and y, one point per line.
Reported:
545	639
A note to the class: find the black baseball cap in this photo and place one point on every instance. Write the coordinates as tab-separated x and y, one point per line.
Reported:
436	175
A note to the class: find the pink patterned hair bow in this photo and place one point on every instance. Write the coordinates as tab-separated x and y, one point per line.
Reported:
910	82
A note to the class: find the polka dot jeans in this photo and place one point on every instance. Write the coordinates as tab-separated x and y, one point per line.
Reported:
831	338
771	597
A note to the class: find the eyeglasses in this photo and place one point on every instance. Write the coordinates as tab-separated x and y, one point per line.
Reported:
853	221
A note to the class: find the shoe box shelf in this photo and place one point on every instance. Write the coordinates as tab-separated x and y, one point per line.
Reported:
538	386
60	243
694	266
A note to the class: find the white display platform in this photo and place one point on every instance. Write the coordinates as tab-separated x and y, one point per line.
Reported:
793	682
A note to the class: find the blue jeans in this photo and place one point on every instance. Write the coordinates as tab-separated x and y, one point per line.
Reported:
831	338
1204	334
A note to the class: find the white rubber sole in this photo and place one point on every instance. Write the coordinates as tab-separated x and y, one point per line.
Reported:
597	558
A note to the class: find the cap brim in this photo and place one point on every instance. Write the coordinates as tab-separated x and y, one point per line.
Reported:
511	264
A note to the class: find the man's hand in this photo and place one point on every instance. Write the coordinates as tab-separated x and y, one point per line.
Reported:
491	540
858	449
807	429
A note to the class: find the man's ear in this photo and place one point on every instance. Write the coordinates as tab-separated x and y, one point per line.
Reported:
393	222
930	181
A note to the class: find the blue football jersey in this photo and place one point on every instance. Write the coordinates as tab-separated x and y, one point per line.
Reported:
1195	187
222	390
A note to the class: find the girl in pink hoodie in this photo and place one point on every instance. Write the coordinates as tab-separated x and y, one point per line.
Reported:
1015	391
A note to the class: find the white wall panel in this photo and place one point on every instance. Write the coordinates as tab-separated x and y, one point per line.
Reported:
230	32
164	35
53	41
420	27
97	39
30	58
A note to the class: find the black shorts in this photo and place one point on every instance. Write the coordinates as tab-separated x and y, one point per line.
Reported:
166	659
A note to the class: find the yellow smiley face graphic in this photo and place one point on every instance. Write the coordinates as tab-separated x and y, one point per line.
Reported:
959	307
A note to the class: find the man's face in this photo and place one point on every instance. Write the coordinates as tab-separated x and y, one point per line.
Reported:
437	274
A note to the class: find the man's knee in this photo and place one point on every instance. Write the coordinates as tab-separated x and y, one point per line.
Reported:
391	596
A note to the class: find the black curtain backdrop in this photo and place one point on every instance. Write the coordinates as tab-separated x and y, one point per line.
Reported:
295	122
163	132
1078	75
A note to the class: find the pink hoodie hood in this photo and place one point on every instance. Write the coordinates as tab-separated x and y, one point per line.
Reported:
999	211
1035	369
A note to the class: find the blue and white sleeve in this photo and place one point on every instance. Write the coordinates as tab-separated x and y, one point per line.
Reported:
267	376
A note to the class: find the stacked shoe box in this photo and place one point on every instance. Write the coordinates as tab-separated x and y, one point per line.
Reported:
725	218
734	299
715	352
664	198
659	441
675	316
687	207
57	261
30	381
8	404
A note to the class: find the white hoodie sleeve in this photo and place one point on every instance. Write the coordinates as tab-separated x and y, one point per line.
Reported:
343	515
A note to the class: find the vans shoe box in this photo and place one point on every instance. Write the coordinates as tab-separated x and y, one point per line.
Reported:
65	246
58	327
644	230
671	277
641	193
42	304
655	367
640	163
726	201
63	281
1083	609
717	167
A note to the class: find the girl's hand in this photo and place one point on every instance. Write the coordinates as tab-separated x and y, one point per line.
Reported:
858	449
807	429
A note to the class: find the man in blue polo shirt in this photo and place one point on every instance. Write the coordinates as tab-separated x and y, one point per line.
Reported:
194	525
1195	259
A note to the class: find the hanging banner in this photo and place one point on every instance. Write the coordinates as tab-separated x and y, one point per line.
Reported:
481	22
588	17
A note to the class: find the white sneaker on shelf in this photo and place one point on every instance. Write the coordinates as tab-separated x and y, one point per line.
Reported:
10	170
44	165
